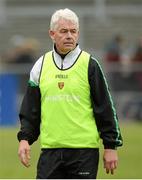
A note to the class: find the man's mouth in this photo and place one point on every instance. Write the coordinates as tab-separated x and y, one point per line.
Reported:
68	43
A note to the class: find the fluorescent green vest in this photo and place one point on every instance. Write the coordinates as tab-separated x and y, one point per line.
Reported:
67	119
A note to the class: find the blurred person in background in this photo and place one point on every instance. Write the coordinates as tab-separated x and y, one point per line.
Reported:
23	50
137	54
132	74
132	61
137	62
133	109
113	61
113	49
69	105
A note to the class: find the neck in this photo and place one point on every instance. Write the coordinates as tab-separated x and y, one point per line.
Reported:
61	54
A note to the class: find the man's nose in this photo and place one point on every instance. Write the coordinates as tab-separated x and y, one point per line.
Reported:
69	34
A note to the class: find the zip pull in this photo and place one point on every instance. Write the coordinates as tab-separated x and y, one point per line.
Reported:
62	64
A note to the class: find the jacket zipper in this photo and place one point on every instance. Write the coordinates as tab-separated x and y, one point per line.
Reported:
62	64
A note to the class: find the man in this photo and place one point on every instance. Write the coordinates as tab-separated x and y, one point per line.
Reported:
68	103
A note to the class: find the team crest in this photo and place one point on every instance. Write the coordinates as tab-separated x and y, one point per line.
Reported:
61	85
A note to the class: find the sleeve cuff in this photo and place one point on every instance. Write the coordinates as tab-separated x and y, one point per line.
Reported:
110	147
23	136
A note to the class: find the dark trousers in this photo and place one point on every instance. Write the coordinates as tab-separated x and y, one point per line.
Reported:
66	163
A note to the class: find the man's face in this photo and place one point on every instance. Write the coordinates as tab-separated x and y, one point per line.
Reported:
65	36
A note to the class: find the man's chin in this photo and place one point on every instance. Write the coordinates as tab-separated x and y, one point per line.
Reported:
68	49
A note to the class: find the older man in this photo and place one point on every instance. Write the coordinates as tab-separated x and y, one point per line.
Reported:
69	104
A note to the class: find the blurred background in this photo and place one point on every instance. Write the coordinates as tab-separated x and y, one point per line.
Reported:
111	30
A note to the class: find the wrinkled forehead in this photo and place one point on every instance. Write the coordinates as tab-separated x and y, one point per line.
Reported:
63	23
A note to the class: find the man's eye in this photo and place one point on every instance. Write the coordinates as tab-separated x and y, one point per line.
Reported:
73	31
63	31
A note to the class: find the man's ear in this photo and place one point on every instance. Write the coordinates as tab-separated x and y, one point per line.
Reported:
51	34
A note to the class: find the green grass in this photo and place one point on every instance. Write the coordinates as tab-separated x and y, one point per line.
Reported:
130	155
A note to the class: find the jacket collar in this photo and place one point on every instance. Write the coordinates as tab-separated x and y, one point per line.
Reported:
68	60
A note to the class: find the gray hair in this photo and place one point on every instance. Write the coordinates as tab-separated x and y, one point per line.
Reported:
63	14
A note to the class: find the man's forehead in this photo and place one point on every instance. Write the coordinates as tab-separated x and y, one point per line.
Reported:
64	23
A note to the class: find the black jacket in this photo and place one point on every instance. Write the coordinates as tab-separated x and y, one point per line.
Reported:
102	104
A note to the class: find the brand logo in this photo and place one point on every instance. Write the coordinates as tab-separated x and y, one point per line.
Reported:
61	76
61	85
84	173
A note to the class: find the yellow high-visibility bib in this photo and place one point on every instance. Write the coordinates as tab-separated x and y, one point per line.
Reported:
67	119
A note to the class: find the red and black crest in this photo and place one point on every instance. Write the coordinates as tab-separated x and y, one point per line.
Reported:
61	85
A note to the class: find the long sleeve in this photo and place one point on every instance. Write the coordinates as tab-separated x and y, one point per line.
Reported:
30	115
30	111
103	107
